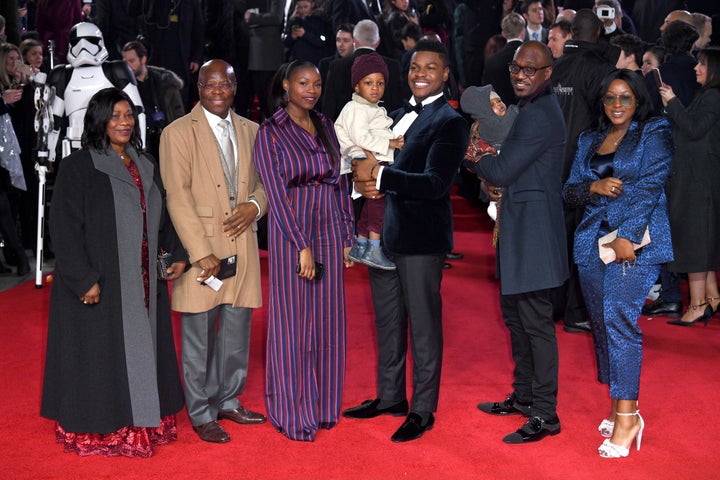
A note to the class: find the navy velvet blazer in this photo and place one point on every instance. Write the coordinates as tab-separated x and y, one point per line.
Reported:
642	161
418	213
532	249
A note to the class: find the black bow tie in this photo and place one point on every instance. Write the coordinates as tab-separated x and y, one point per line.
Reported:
412	108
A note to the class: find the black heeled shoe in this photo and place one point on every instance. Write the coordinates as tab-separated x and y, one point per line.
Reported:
707	314
713	299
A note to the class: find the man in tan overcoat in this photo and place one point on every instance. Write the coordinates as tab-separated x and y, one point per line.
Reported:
215	197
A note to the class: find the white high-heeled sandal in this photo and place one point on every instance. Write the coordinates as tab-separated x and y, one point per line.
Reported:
606	428
610	450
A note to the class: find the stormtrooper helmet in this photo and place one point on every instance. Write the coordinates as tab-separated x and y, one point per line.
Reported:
86	45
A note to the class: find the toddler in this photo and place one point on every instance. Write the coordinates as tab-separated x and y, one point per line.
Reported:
492	123
364	125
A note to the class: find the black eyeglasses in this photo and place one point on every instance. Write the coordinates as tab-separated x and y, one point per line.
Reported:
610	99
514	69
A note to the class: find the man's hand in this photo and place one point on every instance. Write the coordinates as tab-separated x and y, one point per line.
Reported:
491	191
362	169
242	217
209	265
176	270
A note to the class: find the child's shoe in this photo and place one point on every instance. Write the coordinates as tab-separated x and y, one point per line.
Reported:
374	257
357	251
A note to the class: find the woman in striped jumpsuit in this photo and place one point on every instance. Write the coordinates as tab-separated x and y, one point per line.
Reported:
310	222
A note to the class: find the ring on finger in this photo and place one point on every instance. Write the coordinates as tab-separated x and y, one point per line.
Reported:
612	189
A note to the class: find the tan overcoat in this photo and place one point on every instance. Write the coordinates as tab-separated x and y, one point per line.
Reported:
198	202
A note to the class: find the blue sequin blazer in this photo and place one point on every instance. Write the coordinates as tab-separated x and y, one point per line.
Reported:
642	161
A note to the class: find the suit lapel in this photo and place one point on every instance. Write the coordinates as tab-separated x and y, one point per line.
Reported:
207	146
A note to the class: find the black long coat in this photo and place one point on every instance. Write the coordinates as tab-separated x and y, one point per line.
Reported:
112	364
693	188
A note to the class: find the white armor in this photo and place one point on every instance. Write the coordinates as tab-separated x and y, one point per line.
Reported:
86	56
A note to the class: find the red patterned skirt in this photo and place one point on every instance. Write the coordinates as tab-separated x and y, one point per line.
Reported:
128	441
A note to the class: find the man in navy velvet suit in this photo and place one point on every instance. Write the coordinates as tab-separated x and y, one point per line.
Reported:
532	252
418	232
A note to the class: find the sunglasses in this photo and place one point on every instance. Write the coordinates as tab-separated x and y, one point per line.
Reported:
625	100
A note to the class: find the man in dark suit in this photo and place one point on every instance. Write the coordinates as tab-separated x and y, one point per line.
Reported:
534	15
351	11
496	65
338	90
344	46
418	232
531	254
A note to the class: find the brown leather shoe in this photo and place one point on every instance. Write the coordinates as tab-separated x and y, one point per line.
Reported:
242	416
212	432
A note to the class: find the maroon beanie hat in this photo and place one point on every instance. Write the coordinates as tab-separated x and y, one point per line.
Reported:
366	64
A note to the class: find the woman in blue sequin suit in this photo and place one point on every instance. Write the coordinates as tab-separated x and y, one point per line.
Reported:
619	176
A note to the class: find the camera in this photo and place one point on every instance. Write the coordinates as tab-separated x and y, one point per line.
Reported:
605	13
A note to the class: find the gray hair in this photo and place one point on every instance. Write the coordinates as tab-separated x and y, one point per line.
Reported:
512	25
366	34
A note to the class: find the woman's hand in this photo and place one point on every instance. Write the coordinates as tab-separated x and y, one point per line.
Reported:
12	96
666	94
624	251
92	296
493	193
348	262
306	264
610	187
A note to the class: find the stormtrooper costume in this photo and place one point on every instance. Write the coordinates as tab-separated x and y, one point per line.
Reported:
76	82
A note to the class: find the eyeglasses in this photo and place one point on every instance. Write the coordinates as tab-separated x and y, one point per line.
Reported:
625	99
213	86
514	69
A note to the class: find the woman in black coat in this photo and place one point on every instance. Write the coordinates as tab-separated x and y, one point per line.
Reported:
694	188
111	375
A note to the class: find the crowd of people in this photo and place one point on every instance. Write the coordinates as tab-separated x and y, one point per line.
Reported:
594	134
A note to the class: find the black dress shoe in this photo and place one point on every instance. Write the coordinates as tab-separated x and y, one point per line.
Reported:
511	406
412	428
243	416
211	432
454	256
446	265
534	430
23	269
580	327
369	409
661	308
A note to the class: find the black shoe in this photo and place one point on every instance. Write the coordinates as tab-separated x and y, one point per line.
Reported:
446	266
707	315
534	430
454	256
580	327
661	308
412	428
511	406
23	269
369	409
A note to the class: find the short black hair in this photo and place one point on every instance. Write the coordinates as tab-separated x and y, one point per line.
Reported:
136	45
433	46
563	25
411	30
643	104
525	5
678	38
345	27
630	45
658	51
98	114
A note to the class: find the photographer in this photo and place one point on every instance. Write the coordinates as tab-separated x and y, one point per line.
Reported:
160	93
610	13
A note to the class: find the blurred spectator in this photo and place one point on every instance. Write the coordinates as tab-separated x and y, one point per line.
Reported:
653	57
534	15
494	45
481	21
307	34
558	35
54	19
496	66
703	24
396	14
610	13
631	51
119	23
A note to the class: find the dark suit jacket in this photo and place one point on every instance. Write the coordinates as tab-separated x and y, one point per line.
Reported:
418	212
337	90
496	72
532	252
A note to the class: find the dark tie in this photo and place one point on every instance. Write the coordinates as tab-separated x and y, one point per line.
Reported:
412	108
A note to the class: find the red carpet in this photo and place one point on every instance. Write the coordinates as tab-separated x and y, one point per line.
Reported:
679	385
